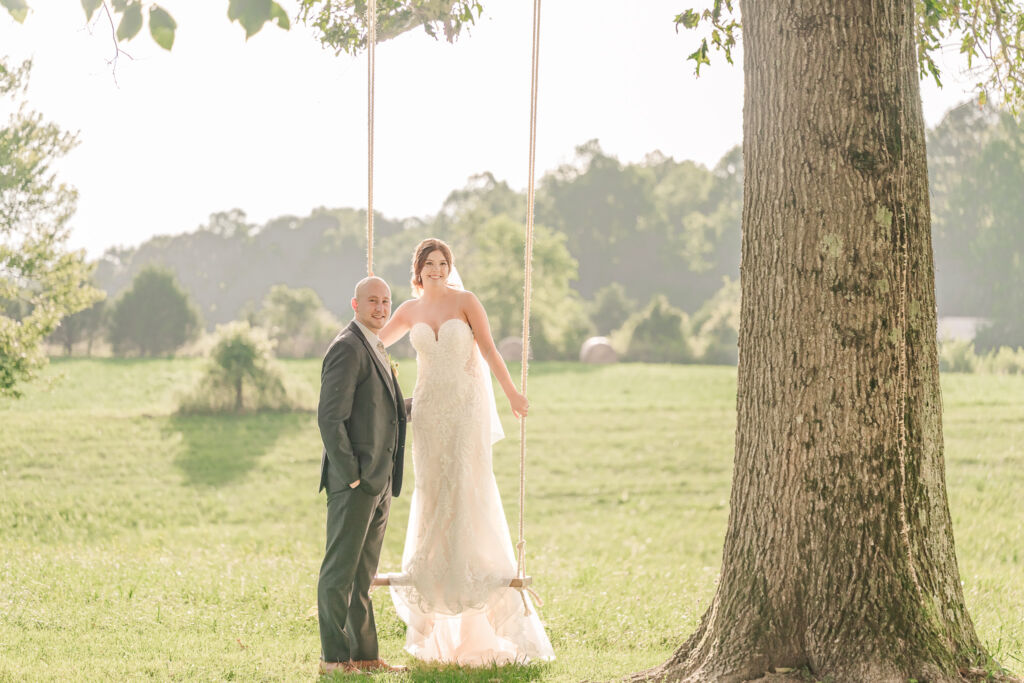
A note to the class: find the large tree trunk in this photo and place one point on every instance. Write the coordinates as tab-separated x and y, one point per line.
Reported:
839	554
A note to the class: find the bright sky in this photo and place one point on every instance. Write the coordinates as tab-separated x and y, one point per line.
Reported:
277	125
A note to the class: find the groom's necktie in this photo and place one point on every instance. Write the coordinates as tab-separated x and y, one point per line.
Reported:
383	353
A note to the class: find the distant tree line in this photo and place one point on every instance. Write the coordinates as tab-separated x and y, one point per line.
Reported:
645	253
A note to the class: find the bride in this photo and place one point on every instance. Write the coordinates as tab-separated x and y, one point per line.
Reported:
453	591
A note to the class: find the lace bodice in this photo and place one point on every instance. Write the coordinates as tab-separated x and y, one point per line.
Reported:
444	362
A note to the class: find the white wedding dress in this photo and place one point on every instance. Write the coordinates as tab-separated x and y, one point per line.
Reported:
453	590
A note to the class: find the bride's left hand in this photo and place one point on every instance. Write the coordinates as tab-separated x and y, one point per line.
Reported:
519	404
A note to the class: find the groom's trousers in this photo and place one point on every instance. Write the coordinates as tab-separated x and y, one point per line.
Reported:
355	533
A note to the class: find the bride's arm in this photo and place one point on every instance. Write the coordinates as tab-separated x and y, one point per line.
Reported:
397	326
477	317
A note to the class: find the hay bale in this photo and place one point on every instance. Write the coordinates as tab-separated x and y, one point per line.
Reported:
598	350
511	349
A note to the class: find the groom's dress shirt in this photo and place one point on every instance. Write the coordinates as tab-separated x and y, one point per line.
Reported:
376	345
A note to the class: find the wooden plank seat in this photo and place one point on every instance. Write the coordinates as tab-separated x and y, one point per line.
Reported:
387	579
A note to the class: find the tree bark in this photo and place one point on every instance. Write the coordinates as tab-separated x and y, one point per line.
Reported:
839	555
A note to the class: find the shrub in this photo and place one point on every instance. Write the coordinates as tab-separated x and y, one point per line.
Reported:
960	356
957	355
241	375
716	326
659	334
560	339
1004	361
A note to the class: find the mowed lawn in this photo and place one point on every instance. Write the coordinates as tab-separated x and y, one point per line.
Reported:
137	544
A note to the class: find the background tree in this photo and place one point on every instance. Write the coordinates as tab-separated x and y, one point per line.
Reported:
231	224
40	280
657	227
225	268
482	198
951	147
610	308
490	259
976	158
297	322
697	215
600	205
154	317
85	325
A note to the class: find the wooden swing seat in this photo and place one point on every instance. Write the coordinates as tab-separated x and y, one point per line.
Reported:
385	580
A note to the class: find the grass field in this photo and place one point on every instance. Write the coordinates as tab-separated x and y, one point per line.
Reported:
135	544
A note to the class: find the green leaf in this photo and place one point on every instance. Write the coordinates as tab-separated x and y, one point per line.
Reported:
17	9
716	11
120	5
161	27
131	22
967	44
251	14
90	7
933	69
278	14
700	55
689	19
934	12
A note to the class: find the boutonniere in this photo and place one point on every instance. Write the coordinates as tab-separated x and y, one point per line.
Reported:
394	364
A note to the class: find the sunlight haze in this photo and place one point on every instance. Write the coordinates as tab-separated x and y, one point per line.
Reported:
277	125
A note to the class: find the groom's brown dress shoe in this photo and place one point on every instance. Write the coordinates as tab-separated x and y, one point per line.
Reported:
377	665
328	668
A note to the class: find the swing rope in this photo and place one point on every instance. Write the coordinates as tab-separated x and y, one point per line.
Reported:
371	44
527	291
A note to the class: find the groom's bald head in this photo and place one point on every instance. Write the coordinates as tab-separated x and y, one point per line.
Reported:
366	282
372	302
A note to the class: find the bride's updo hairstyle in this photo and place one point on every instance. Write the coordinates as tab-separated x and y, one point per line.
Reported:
419	259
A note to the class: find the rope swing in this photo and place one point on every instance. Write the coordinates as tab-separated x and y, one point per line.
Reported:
371	45
521	581
527	292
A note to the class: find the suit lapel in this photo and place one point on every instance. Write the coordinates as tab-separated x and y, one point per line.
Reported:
385	373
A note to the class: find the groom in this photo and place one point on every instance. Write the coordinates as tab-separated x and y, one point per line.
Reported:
362	424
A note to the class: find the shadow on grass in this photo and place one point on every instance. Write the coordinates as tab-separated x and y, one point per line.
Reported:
219	449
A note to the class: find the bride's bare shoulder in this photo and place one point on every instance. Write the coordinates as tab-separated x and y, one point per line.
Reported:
465	296
405	310
470	306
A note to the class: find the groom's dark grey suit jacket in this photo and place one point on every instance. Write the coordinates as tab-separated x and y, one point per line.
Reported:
361	416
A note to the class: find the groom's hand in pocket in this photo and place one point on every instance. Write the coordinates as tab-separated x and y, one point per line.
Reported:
354	484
